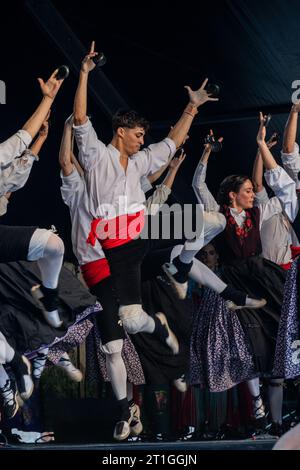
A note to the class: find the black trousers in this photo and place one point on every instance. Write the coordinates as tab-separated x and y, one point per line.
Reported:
14	243
107	320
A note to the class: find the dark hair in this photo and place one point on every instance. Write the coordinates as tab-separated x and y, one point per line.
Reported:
129	118
199	255
231	183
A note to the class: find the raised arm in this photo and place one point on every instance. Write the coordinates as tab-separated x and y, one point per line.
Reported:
290	131
65	151
174	166
290	155
258	167
196	99
157	174
267	157
41	138
199	185
49	90
80	101
277	178
15	176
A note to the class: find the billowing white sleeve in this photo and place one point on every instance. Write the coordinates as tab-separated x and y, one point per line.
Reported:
291	164
91	149
17	173
285	190
152	158
13	147
201	190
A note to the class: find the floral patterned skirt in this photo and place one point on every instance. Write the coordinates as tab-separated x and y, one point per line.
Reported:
287	355
220	354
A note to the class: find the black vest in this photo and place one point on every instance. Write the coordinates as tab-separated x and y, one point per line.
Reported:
231	248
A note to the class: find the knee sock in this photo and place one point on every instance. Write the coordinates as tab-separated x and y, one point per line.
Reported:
275	394
230	293
51	262
253	386
3	377
6	351
117	374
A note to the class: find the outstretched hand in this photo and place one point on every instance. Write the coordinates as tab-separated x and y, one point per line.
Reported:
177	161
207	145
261	136
88	64
200	96
52	85
273	140
296	107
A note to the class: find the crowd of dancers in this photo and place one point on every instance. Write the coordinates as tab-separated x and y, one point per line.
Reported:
131	308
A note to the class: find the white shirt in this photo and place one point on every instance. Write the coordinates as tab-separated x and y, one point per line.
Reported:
285	190
291	163
276	233
14	171
275	244
17	173
113	192
3	205
74	194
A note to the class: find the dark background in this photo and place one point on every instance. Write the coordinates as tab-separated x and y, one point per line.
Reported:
251	49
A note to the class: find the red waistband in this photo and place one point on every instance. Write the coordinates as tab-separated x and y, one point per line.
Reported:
286	266
115	232
95	271
295	251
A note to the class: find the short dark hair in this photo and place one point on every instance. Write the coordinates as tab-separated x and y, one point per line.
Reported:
129	118
231	183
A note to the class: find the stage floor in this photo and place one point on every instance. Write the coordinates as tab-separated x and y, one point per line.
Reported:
247	444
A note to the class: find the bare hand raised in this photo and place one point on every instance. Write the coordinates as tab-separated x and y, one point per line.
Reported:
52	85
88	64
261	136
200	96
273	140
177	161
296	107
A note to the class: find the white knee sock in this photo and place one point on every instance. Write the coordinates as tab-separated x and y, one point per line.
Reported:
253	386
135	319
6	351
201	274
117	374
50	264
206	277
213	224
3	377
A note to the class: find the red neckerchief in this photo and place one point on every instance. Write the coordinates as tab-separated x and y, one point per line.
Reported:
241	232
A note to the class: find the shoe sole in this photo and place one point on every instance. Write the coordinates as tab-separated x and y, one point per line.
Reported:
163	319
234	307
180	294
180	388
74	378
136	429
27	395
37	295
122	437
17	406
